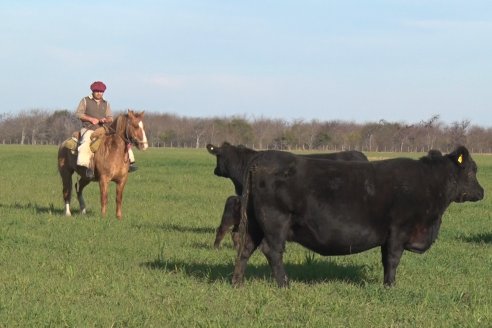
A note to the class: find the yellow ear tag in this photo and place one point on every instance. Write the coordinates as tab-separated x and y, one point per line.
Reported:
460	159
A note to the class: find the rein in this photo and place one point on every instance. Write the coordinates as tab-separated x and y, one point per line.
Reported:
129	139
116	128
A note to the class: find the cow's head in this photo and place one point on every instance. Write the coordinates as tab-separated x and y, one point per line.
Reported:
468	188
230	160
222	154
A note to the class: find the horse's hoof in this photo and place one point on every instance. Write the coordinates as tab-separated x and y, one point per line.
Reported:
67	210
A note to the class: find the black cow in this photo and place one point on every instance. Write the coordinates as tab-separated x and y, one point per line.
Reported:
341	208
232	162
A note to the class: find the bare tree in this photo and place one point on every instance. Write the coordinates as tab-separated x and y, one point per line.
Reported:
200	127
60	125
260	127
38	127
430	129
480	139
457	133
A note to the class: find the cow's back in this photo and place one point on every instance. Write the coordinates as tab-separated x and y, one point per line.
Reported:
347	155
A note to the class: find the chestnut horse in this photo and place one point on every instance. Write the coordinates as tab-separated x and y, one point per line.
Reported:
110	161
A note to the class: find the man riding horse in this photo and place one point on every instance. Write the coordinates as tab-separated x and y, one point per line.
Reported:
94	111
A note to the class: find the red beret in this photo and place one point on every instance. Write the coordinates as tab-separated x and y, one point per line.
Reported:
98	86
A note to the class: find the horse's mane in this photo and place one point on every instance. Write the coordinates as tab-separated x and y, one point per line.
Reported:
119	124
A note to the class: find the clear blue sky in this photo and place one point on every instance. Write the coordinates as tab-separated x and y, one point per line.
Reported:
397	60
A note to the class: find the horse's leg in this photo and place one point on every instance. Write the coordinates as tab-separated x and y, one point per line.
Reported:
79	187
66	175
120	186
67	189
103	188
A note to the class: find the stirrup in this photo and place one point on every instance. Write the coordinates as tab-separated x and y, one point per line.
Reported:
133	167
89	173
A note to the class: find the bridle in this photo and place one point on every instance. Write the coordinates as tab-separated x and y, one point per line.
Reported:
131	139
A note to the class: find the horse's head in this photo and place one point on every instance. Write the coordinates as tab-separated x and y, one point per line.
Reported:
135	132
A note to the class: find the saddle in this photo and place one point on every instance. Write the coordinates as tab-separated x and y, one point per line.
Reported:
73	142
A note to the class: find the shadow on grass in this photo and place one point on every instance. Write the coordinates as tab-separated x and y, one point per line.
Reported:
480	238
311	273
173	227
39	209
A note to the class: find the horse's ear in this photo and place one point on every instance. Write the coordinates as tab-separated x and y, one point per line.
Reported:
130	113
141	114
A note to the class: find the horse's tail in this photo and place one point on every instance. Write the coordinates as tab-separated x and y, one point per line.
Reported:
62	152
63	160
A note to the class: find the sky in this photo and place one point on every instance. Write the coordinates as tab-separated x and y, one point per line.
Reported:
359	61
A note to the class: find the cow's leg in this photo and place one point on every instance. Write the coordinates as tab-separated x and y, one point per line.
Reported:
79	188
273	247
391	253
252	238
120	186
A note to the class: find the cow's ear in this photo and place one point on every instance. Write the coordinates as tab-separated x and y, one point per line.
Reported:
460	156
212	149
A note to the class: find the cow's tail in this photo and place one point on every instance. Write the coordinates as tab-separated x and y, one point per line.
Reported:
243	223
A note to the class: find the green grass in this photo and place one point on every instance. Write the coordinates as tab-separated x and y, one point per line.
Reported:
157	267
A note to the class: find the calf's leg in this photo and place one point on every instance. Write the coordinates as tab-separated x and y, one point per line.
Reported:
230	216
235	236
220	232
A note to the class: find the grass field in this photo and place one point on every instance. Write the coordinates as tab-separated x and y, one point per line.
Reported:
157	267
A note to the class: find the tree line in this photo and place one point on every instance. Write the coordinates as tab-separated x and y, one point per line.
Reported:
169	130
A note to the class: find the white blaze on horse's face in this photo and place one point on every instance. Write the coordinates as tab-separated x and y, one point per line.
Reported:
144	137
